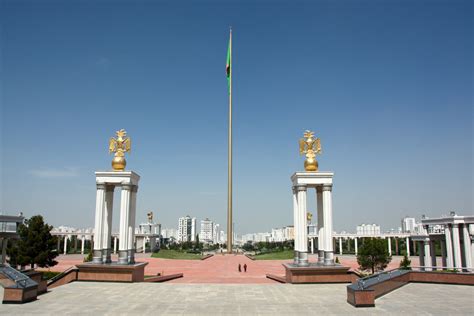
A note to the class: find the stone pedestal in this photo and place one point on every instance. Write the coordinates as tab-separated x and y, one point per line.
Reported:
106	184
316	273
113	272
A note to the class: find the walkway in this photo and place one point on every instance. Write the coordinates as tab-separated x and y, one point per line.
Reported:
240	299
217	269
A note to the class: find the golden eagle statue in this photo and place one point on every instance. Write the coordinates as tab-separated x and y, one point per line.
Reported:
119	146
311	146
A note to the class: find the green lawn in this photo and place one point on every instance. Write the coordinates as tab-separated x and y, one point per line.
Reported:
280	255
49	274
173	254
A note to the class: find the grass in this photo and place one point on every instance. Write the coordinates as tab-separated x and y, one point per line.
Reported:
49	274
280	255
173	254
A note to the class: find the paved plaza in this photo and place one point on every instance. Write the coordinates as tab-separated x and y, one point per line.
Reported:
217	269
95	298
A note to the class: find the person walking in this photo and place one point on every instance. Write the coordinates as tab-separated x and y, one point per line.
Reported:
245	267
240	268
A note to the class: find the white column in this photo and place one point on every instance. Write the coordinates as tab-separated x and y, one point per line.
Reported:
99	216
107	220
355	246
389	246
467	246
144	243
312	245
427	251
408	246
295	224
319	204
327	210
340	245
449	246
303	227
83	239
115	244
65	244
131	227
456	247
124	223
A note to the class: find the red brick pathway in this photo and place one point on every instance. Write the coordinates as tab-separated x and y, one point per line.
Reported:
217	269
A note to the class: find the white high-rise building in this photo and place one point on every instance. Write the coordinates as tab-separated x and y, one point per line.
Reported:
215	234
193	229
248	238
222	237
207	231
289	233
186	229
278	234
408	225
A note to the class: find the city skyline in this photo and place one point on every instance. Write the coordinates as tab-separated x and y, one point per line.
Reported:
385	87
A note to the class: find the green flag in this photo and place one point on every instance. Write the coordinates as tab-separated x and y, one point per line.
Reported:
229	61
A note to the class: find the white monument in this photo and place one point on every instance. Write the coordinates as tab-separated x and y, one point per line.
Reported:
322	183
106	184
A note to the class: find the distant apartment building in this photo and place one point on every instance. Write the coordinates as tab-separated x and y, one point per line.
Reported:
207	231
408	225
285	233
278	234
186	229
215	234
368	230
169	233
289	233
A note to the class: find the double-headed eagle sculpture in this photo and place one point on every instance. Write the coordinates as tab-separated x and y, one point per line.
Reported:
310	146
119	146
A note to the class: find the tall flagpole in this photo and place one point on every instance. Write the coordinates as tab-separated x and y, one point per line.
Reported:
230	234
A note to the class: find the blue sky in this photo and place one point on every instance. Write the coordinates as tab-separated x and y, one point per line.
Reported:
386	85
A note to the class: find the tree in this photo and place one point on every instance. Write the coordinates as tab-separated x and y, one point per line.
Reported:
196	245
35	246
405	264
373	254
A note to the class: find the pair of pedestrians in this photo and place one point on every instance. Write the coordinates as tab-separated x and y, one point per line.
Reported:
245	267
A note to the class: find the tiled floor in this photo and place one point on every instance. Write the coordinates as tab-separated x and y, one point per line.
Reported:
91	298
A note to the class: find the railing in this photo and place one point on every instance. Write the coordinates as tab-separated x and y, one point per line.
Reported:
366	282
60	275
21	280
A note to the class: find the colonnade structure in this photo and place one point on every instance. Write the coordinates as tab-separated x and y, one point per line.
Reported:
140	240
106	184
322	183
338	238
456	237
